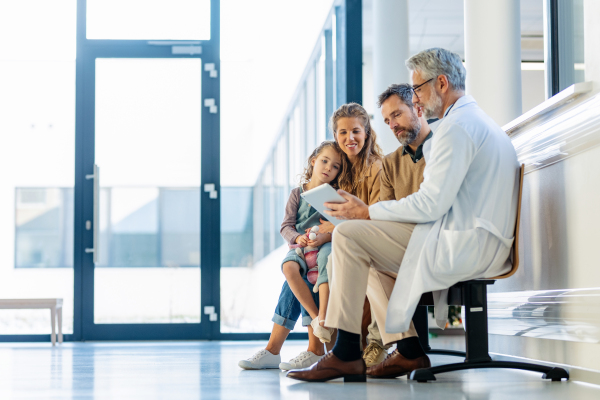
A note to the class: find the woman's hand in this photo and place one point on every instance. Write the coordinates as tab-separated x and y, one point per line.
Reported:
320	240
302	240
353	208
326	226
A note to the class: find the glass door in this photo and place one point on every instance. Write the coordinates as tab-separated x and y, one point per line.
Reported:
148	180
147	148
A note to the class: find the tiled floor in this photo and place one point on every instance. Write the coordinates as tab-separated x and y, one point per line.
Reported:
208	370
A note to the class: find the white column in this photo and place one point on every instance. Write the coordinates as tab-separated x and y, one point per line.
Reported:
493	57
390	51
591	30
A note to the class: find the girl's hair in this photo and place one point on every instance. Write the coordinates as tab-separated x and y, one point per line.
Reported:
308	170
370	152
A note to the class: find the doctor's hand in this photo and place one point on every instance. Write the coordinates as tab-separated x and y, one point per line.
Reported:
353	208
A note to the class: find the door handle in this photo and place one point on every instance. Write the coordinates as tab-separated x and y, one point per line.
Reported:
96	219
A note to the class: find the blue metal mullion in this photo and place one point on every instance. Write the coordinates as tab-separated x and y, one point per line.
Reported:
87	151
210	209
78	190
552	48
144	332
37	338
353	54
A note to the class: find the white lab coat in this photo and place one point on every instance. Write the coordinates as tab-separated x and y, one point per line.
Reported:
465	211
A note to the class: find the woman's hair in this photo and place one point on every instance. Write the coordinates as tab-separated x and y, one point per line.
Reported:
370	152
308	170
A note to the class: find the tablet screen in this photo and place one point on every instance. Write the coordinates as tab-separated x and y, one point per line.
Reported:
320	195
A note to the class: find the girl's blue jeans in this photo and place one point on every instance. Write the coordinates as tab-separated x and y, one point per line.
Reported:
289	308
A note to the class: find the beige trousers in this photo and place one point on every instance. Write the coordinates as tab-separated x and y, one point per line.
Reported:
374	335
366	257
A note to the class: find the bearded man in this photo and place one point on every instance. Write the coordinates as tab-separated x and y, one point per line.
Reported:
401	175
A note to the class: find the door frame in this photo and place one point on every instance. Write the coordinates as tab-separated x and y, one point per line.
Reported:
87	52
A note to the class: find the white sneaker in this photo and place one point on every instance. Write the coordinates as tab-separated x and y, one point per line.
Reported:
320	332
303	360
263	359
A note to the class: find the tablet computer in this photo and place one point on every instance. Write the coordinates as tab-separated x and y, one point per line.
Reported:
323	194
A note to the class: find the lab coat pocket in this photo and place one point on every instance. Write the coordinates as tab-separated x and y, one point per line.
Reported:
458	252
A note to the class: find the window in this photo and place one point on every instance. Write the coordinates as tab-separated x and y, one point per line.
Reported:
148	19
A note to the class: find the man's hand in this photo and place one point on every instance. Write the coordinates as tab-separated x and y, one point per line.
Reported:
320	240
353	208
325	227
302	240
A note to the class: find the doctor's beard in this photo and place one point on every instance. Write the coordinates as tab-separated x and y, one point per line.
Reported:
410	133
434	108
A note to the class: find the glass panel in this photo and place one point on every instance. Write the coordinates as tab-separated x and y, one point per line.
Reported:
37	157
253	197
322	118
571	59
148	151
44	228
311	139
533	81
148	19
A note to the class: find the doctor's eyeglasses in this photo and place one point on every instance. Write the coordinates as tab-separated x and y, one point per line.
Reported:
416	89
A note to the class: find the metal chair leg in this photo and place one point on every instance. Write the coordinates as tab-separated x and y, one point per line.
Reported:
428	374
422	328
474	298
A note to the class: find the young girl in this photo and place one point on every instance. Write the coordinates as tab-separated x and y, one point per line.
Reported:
324	165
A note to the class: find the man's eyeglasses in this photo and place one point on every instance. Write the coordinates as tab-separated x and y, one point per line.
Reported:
415	88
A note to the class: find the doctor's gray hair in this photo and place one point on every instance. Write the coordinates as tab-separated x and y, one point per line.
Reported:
403	91
436	61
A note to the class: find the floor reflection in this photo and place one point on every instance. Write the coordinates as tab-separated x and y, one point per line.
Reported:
208	370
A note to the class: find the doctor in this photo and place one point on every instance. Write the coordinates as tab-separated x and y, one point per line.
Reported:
458	226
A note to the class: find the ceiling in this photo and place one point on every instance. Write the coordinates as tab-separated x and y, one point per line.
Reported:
439	23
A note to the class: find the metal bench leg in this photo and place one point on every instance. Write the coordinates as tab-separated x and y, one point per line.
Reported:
60	334
53	323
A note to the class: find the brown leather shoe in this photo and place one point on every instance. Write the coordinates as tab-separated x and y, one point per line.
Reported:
396	365
331	367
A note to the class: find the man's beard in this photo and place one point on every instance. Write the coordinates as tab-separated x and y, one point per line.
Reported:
434	108
410	133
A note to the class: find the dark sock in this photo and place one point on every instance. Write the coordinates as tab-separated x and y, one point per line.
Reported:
410	348
347	346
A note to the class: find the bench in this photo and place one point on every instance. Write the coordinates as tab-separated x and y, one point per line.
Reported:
55	306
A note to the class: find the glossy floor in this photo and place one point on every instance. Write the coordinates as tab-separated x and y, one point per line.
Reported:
208	370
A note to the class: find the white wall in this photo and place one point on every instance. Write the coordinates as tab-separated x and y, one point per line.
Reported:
533	88
559	230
